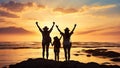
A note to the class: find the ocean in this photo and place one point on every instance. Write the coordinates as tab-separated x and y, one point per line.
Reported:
14	52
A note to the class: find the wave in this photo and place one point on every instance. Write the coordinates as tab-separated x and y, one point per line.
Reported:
20	45
37	45
96	44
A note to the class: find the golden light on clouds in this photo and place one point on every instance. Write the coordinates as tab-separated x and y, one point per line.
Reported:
93	20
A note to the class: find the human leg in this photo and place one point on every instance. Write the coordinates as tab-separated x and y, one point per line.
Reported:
57	56
69	48
58	53
43	49
47	50
69	53
65	52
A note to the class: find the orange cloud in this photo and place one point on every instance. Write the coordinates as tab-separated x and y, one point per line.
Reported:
17	7
7	14
112	33
102	31
89	31
11	10
84	8
97	7
70	10
14	30
2	20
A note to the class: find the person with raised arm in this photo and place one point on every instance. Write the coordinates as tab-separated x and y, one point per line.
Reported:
66	41
56	43
46	39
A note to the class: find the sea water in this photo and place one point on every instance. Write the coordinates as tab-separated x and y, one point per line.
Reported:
14	52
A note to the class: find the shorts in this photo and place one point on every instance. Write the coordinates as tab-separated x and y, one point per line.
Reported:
66	44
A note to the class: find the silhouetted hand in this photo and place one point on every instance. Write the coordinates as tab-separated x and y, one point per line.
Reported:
57	26
36	22
53	23
75	25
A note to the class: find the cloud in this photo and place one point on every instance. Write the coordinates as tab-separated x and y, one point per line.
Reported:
7	14
89	31
112	33
2	20
115	11
96	7
69	10
14	30
102	31
17	7
85	8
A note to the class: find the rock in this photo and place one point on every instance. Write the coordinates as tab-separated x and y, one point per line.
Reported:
44	63
103	52
76	54
116	59
88	55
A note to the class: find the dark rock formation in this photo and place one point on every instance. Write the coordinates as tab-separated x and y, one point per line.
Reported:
116	59
43	63
103	52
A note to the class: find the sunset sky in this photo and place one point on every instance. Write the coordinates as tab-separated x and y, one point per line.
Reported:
97	20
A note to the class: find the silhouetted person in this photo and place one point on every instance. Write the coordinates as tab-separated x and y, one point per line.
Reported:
46	39
57	46
66	41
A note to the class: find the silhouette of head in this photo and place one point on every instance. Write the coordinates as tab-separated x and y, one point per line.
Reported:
45	28
66	30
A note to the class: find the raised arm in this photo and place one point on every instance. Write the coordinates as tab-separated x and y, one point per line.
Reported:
52	27
73	28
58	29
38	27
60	37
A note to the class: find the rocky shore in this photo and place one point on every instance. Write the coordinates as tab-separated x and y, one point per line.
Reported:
44	63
